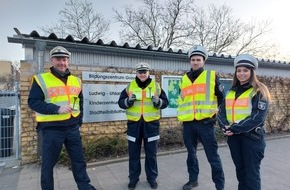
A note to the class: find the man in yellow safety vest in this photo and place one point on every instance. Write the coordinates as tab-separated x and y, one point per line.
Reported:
56	97
200	95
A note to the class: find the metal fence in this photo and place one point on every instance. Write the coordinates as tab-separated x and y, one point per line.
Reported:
9	125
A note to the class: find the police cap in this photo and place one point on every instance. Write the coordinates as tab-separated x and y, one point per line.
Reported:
143	67
246	60
198	50
59	51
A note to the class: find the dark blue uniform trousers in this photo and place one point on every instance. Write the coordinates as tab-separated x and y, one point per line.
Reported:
247	155
151	169
52	142
198	130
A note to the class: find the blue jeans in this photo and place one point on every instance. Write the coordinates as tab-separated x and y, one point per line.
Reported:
52	142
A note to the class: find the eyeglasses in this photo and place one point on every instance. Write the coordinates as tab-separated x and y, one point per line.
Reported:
142	72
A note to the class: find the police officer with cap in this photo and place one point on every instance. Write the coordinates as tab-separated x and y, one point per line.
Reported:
242	116
200	95
56	97
143	98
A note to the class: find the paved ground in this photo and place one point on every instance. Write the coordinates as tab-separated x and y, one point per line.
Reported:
275	170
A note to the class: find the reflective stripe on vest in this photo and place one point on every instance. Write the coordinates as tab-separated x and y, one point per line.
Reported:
238	109
197	100
143	104
56	92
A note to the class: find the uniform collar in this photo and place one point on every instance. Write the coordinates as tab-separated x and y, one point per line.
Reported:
59	74
240	87
143	84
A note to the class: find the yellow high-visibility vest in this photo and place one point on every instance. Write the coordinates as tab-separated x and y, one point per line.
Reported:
197	100
57	92
238	109
143	105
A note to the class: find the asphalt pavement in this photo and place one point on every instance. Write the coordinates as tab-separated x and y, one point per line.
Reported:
113	174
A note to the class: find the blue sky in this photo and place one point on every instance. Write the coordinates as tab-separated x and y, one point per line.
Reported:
30	15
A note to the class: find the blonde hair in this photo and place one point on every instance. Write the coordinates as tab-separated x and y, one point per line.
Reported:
257	85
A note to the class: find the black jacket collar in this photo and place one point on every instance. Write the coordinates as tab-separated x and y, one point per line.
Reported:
62	76
143	84
192	75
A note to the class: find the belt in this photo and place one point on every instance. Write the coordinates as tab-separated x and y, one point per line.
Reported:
255	134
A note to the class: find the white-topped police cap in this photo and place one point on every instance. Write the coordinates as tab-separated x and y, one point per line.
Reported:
143	67
59	51
246	60
198	50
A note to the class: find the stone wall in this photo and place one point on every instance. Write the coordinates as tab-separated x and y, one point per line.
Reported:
29	138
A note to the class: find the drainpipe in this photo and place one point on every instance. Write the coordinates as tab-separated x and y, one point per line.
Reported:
40	48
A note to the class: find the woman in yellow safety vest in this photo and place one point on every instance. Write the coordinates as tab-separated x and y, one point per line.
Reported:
242	117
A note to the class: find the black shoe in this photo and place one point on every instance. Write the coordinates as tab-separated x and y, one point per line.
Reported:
189	185
153	184
132	185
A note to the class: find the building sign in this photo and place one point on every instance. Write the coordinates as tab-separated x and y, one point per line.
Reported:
170	84
113	77
101	102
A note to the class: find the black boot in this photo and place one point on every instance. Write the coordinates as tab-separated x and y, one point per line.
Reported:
132	185
189	185
153	184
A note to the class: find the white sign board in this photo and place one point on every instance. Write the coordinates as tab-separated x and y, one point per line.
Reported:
101	102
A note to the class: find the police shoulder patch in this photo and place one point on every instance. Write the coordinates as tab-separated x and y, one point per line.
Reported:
261	105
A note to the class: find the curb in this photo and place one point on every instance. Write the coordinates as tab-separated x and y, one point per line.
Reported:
277	137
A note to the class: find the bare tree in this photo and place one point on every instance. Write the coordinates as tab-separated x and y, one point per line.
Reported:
156	24
221	33
251	40
79	20
178	23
